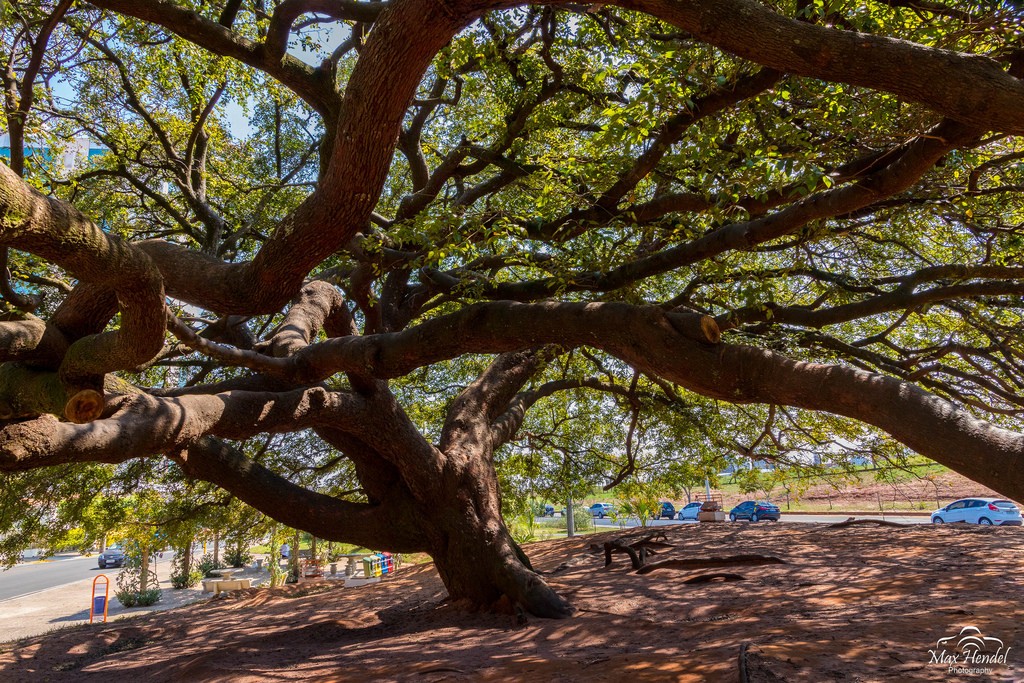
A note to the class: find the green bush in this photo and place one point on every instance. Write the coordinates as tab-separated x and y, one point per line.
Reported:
522	529
237	557
182	580
207	565
129	581
582	520
537	510
130	598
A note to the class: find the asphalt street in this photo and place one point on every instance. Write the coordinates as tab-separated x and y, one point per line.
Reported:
31	577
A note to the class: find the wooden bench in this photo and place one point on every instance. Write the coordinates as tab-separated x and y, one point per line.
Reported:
215	586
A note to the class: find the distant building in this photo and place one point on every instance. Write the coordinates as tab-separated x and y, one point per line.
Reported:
73	154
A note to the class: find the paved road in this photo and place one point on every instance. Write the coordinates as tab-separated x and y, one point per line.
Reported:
32	577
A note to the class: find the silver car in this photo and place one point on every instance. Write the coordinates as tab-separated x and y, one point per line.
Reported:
995	511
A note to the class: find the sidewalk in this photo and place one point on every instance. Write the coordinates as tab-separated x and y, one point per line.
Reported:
68	605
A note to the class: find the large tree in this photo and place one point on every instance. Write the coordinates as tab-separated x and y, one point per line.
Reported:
465	209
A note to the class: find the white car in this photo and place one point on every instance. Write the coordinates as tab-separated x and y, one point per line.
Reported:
689	511
979	511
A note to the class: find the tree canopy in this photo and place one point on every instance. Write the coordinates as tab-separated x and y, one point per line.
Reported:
361	264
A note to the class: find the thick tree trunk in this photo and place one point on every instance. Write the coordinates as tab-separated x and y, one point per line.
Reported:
482	563
186	557
293	557
144	571
475	555
452	512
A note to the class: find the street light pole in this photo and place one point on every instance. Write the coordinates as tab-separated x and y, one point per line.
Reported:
570	521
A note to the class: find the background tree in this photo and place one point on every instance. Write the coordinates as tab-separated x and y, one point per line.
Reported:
461	223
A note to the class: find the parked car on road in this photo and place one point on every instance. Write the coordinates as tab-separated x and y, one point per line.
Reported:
666	510
601	510
549	510
111	557
689	511
755	510
995	511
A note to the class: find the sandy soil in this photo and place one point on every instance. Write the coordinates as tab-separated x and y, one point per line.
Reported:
859	603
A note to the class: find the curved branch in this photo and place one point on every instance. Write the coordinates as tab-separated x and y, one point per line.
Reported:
385	79
221	40
506	425
26	302
139	425
981	94
884	303
54	230
470	414
288	11
325	516
645	338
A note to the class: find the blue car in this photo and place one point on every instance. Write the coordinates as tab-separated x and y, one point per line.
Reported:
600	510
755	511
666	510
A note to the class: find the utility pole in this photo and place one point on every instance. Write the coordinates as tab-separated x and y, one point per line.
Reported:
570	522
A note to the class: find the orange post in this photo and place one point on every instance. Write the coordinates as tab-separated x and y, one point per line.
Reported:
100	602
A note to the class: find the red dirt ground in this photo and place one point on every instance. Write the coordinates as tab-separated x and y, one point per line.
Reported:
860	603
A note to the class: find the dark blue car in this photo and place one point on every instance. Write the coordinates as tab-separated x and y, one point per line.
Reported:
665	510
755	510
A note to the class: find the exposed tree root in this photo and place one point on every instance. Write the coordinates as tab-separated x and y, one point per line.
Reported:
708	578
657	538
702	563
851	521
638	550
620	547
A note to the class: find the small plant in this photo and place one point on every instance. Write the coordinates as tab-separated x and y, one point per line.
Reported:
237	557
134	581
582	520
522	529
134	598
207	565
181	580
